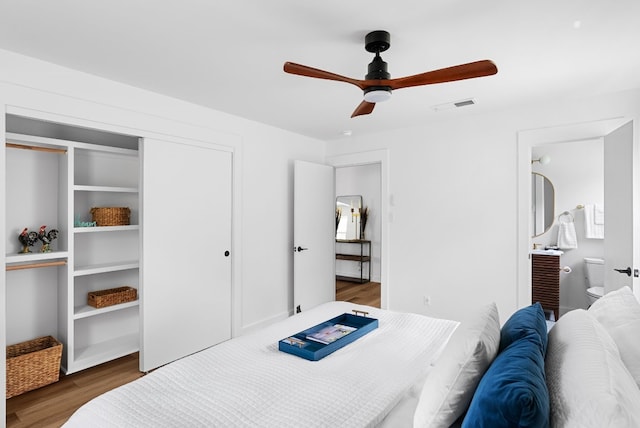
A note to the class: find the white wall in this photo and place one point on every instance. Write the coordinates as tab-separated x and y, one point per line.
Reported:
364	180
576	171
263	164
453	220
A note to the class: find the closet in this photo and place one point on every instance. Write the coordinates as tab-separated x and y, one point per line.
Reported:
179	262
55	175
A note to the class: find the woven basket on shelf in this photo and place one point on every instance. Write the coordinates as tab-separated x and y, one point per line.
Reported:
32	364
111	216
112	296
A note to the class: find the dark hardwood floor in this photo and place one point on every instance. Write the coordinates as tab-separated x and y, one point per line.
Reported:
363	294
52	405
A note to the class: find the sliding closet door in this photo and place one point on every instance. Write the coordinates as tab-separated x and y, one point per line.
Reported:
186	245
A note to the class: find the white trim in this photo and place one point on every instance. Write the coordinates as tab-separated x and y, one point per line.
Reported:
365	158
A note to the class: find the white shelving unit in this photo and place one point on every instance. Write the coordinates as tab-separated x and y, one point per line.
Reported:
103	256
96	258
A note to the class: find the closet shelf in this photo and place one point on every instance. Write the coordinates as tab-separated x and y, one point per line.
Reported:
85	311
100	229
105	267
105	351
114	189
35	257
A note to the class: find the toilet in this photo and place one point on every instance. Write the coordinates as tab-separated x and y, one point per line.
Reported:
594	273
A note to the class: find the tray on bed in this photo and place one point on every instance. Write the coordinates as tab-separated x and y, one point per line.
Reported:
321	340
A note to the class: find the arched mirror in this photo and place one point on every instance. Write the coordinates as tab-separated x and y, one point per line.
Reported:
542	204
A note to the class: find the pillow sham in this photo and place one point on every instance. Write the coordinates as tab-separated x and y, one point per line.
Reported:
513	391
589	385
521	323
619	313
449	387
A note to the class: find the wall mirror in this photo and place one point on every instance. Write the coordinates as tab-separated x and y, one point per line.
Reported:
348	225
542	204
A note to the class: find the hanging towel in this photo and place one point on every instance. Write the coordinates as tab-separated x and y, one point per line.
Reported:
567	239
593	229
598	214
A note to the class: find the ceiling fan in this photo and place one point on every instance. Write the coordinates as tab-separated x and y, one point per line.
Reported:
378	84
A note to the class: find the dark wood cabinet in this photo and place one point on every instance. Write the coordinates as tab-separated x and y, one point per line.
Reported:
545	282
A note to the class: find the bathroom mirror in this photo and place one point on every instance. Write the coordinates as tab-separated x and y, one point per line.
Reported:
348	217
542	204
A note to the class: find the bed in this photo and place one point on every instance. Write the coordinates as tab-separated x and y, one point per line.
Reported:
411	371
248	382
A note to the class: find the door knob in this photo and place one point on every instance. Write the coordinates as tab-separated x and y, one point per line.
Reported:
299	249
627	271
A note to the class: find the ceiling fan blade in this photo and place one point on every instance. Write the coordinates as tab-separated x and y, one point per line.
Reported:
449	74
365	107
303	70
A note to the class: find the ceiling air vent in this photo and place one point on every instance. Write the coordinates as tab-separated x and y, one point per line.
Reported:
455	104
464	103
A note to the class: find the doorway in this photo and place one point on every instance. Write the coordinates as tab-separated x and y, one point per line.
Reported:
575	169
616	130
358	257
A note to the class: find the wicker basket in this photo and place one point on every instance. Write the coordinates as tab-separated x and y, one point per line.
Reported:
111	216
112	296
32	364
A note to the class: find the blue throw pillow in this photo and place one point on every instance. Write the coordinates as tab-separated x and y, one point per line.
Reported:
521	323
513	391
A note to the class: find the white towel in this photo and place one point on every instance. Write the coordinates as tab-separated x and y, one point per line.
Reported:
592	229
567	239
598	214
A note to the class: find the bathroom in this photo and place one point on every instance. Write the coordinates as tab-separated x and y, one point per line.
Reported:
576	171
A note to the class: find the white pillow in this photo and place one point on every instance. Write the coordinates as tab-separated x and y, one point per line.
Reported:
589	385
450	385
619	312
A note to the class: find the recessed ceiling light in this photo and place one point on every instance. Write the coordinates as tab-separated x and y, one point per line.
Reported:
577	24
347	133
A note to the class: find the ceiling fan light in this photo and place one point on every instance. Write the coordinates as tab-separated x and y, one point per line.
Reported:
377	95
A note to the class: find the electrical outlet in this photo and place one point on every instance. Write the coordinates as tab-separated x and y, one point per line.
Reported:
426	300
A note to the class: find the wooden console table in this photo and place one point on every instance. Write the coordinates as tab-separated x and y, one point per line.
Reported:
363	257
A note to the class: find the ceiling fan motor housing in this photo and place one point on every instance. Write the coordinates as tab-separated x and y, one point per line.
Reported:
377	41
377	69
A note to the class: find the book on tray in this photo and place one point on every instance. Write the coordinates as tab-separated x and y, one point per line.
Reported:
330	333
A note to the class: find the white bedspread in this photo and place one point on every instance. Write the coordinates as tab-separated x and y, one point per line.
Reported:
248	382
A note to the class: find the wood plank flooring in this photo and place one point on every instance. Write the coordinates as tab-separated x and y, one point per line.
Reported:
363	294
52	405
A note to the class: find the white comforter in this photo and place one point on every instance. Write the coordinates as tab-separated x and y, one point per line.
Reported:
247	382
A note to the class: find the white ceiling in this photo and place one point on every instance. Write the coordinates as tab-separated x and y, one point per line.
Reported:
228	54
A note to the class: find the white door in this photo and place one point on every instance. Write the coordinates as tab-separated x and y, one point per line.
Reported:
313	235
621	232
186	244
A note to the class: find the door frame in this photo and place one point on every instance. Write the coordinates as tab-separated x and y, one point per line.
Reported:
526	140
380	157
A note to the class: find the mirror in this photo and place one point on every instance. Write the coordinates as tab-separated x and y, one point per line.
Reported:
348	225
542	204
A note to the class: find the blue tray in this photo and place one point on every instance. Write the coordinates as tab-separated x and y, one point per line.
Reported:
301	345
